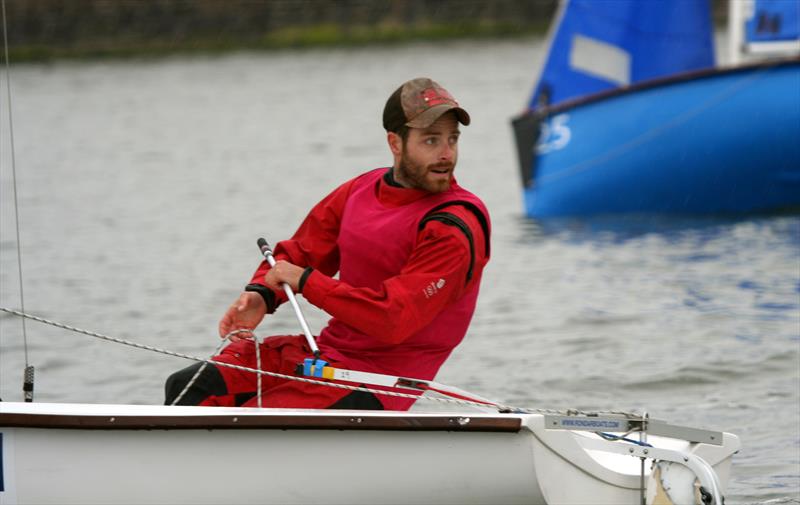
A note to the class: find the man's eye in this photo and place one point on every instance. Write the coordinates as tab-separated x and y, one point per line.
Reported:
431	141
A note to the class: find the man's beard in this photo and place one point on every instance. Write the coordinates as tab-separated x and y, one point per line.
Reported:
415	174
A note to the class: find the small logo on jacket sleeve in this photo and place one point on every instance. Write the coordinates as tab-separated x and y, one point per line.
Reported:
433	288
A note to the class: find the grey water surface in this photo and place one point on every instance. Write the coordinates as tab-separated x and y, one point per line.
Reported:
144	184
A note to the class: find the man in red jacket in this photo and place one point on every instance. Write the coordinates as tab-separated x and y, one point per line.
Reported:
409	245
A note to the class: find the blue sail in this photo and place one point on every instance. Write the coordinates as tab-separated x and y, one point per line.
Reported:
774	20
606	44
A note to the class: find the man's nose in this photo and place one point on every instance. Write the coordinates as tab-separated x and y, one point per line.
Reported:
447	153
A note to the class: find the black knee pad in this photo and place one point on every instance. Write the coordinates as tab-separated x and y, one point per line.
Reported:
208	383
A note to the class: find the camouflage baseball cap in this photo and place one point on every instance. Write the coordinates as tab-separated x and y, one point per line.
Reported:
418	103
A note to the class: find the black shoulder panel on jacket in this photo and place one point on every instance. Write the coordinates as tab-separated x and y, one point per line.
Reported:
453	220
479	215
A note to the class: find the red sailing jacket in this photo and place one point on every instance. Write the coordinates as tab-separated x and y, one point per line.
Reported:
409	265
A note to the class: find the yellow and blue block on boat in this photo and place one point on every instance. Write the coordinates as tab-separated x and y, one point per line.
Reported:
315	367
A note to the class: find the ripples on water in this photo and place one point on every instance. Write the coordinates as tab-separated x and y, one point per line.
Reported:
144	184
695	321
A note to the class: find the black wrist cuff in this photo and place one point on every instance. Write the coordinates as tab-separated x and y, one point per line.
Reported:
267	294
303	279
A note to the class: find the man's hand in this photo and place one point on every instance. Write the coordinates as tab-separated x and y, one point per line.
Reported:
283	271
245	313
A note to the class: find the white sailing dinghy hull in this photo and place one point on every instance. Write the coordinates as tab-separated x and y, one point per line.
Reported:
113	454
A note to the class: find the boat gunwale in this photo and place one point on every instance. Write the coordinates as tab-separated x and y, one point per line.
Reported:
573	103
348	421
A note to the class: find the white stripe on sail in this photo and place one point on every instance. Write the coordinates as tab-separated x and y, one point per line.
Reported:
600	59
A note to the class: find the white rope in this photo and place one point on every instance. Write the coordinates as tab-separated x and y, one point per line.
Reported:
191	382
454	401
235	367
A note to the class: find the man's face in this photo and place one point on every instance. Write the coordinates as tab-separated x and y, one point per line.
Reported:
429	155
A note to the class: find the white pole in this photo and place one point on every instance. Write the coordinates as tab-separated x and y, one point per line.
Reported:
267	252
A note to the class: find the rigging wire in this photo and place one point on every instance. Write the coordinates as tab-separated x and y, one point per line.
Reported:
28	376
239	367
499	406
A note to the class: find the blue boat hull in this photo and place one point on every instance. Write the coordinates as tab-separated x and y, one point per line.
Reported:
712	142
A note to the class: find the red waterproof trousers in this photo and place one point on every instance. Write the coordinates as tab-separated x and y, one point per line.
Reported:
280	354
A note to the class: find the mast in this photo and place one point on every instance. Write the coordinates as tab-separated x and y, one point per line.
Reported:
736	29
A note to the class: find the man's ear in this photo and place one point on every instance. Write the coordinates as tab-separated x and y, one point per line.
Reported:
395	143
